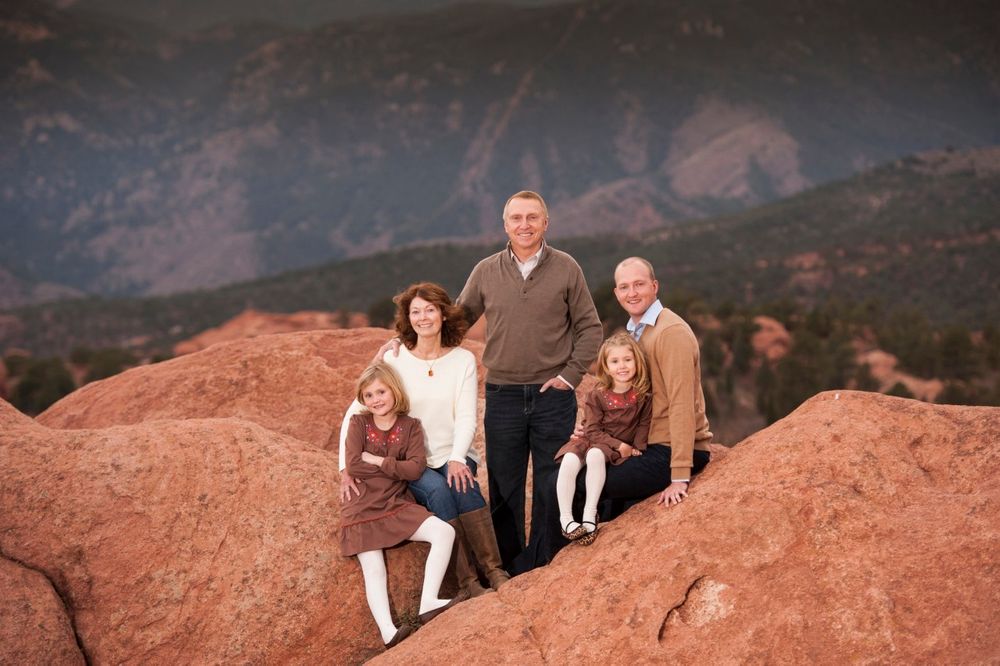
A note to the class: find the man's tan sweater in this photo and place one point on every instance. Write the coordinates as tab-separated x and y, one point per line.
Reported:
536	328
679	419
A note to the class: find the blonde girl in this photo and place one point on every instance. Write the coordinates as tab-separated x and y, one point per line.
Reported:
385	450
616	426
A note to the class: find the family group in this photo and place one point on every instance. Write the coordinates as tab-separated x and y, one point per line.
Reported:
408	468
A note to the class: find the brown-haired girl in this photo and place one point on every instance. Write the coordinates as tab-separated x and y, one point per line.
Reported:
384	450
617	415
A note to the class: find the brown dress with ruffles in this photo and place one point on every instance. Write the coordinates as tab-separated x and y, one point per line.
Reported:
385	514
609	419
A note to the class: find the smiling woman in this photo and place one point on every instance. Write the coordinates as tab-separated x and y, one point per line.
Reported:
440	379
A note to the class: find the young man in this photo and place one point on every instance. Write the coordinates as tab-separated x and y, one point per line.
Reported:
678	435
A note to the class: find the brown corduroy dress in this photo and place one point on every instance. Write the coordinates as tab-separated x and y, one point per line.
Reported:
385	514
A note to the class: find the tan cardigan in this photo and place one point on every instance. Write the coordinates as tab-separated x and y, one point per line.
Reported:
679	419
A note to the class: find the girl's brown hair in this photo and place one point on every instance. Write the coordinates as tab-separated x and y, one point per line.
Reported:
453	324
641	380
382	371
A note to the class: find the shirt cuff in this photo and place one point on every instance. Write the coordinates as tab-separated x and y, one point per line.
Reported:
563	379
680	475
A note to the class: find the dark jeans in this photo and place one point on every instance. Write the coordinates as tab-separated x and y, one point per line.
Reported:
633	481
520	420
432	491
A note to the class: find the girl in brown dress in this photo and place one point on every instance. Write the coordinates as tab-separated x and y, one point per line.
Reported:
616	425
385	450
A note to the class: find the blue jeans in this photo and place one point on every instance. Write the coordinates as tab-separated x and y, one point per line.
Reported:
432	491
520	420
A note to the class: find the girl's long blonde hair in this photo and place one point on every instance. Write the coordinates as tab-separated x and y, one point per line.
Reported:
382	371
641	380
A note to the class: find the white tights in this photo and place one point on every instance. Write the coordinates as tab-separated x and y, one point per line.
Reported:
566	487
440	535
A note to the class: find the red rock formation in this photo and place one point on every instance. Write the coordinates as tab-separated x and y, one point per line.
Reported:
34	628
298	384
251	323
196	541
859	528
771	340
882	366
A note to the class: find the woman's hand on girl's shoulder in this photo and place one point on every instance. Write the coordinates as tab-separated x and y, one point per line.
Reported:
392	345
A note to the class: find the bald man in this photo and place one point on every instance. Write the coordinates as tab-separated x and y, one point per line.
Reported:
679	434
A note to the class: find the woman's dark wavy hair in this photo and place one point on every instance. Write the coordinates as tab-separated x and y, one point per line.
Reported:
454	326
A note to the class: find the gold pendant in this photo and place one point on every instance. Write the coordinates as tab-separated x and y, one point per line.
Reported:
430	373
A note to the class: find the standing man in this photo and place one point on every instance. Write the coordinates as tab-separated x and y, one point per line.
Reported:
542	334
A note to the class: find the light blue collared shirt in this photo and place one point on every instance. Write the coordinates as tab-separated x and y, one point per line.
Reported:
648	317
636	329
528	264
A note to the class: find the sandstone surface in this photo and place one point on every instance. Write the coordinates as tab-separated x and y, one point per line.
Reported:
34	628
194	541
251	323
861	528
298	384
883	368
771	339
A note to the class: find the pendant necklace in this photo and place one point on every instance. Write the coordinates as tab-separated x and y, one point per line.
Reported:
430	364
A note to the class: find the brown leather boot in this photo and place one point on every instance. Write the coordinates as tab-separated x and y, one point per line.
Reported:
483	542
465	570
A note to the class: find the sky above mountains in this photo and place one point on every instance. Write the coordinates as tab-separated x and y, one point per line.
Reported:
190	15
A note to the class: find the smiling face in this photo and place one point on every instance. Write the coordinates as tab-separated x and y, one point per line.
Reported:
425	318
378	398
525	222
619	362
635	288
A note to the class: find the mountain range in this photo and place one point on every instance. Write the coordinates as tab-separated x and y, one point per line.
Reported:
135	161
921	232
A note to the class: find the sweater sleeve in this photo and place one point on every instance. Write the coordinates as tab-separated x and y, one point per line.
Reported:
352	409
676	353
645	419
465	411
354	445
587	329
471	298
414	459
593	410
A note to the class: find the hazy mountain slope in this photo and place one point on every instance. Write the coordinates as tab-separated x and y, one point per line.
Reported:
186	16
920	232
154	166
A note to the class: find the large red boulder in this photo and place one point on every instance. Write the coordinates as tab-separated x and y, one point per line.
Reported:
251	323
861	528
34	627
193	541
298	384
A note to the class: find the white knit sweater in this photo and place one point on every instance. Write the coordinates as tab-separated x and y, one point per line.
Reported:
444	403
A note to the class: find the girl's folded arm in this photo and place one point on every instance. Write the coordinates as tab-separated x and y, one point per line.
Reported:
414	460
353	446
